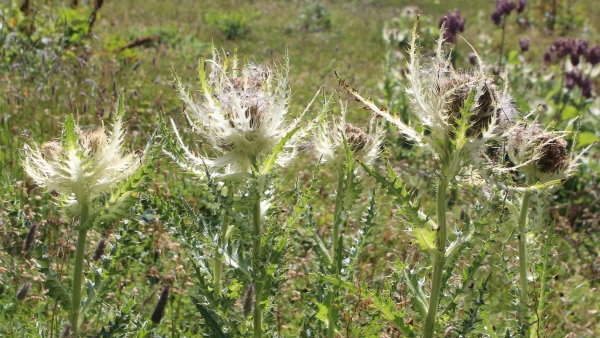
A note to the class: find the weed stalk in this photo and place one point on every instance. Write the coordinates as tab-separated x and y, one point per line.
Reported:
439	259
256	218
523	253
78	271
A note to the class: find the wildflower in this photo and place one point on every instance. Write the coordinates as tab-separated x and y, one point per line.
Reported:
472	59
159	309
242	116
30	237
503	9
521	6
23	291
67	332
330	135
248	300
453	24
99	252
592	55
82	165
524	44
439	95
541	154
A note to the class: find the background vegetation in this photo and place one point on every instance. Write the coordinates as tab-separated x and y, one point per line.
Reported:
56	61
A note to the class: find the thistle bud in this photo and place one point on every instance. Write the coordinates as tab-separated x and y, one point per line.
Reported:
524	44
539	153
99	252
30	237
248	300
23	290
159	310
67	331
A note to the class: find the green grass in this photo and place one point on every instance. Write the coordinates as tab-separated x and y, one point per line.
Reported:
85	79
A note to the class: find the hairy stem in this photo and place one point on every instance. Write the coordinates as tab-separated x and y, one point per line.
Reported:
256	218
336	247
78	271
439	259
523	253
217	271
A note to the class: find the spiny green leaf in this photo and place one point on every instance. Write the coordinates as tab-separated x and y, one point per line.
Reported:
269	162
209	320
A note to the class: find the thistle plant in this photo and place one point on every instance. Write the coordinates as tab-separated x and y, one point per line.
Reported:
339	144
93	179
243	117
457	114
545	159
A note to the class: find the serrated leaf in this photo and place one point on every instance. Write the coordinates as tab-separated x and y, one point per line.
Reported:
426	238
69	135
269	162
58	292
209	320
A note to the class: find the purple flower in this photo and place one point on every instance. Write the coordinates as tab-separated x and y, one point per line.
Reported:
587	87
548	56
453	25
521	6
524	43
504	8
592	55
472	59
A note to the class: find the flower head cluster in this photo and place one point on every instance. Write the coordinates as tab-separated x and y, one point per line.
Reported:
575	49
541	154
574	77
440	94
241	115
83	164
453	24
332	131
454	109
504	8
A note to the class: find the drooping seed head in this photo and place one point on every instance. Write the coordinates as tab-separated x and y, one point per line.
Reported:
248	300
159	309
100	248
23	291
30	237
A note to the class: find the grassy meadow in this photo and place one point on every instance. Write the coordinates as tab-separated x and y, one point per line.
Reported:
327	244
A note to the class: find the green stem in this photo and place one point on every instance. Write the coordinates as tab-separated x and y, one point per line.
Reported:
256	218
218	268
336	247
439	259
523	253
78	272
337	220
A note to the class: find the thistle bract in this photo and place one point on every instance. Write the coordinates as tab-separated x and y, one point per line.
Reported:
82	165
541	154
241	114
330	135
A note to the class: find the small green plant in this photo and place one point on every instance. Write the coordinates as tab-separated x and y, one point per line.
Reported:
233	25
316	18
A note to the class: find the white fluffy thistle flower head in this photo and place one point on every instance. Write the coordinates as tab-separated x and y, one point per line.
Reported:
242	114
543	155
333	133
83	164
443	98
454	109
